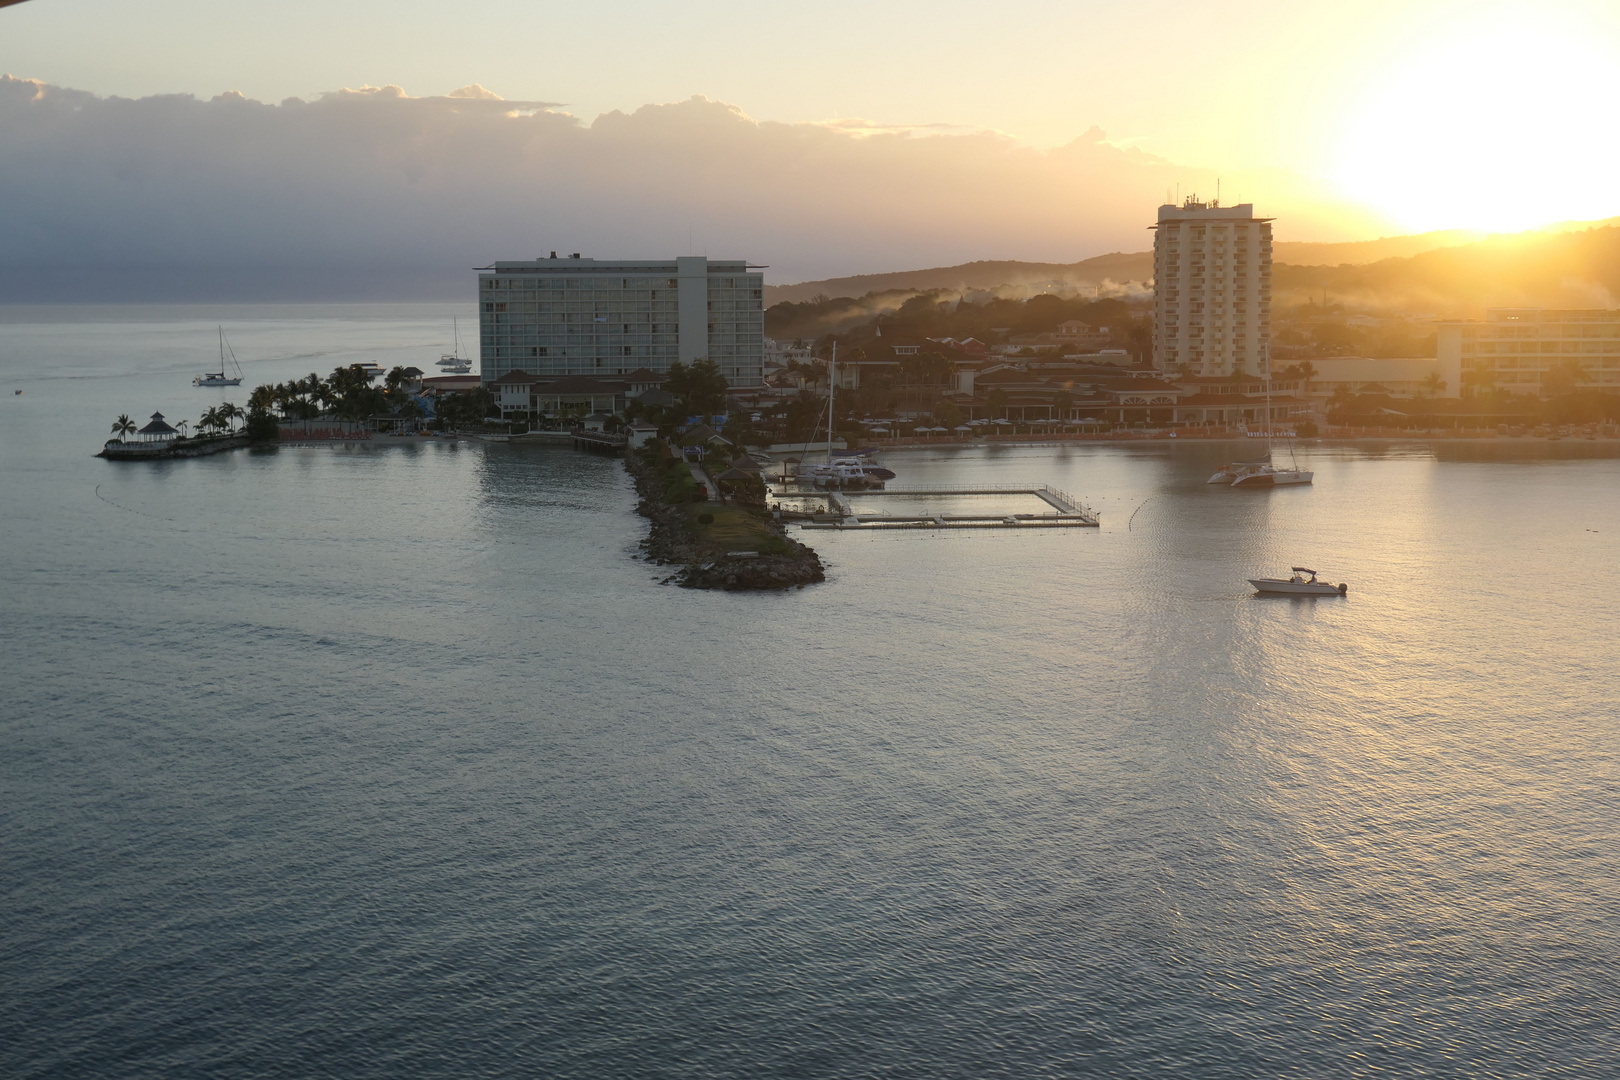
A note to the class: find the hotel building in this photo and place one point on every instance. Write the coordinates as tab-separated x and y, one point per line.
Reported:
1517	346
1212	290
606	317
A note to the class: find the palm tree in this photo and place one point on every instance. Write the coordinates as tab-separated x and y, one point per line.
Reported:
1433	384
182	426
123	426
229	413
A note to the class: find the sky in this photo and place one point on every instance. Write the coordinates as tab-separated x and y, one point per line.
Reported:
914	130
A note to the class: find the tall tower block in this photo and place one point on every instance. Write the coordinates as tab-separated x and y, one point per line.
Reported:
1212	289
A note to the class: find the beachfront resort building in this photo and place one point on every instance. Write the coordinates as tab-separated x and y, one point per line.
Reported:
1212	289
1514	349
603	318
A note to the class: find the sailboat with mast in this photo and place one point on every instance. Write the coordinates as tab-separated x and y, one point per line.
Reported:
845	472
453	362
221	377
1266	473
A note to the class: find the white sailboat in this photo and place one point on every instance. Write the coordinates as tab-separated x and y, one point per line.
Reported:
220	377
1266	474
453	362
842	473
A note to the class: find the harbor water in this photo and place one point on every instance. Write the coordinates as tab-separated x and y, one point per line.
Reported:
392	760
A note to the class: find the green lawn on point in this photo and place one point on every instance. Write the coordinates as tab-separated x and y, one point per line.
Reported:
734	529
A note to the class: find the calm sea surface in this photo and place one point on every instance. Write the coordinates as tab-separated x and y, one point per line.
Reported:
391	761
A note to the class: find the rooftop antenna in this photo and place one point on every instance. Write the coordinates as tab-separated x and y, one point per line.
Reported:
1217	191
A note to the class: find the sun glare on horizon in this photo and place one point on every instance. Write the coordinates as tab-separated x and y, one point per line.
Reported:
1499	127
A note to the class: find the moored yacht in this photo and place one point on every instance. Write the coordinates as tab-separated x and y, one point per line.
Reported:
850	471
220	377
1271	476
1263	474
1228	473
452	361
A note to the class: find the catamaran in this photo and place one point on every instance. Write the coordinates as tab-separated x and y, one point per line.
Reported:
220	378
1255	474
452	361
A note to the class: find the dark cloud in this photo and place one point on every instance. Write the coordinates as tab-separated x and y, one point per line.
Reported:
373	193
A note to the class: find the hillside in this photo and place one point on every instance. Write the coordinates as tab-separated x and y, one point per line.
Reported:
1569	269
1362	252
1120	272
1114	269
1563	266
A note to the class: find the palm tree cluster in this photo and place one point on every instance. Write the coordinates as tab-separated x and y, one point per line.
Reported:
222	418
348	394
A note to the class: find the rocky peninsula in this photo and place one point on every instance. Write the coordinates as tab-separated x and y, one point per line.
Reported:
731	546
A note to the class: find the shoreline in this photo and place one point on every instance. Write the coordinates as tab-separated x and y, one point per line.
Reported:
1327	437
115	451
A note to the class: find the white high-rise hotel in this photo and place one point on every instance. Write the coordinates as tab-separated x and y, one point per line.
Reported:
1212	290
573	316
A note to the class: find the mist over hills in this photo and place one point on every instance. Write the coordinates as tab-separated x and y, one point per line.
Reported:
1112	272
1574	269
1453	272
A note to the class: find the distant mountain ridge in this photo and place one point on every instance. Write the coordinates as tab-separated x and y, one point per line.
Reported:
1126	272
1545	269
986	274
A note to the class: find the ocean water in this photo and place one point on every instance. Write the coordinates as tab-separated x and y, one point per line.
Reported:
393	761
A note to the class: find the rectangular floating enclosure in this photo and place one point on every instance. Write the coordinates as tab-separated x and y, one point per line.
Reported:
840	513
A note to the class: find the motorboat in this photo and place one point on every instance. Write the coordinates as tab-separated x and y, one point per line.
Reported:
221	377
371	370
1302	583
1271	476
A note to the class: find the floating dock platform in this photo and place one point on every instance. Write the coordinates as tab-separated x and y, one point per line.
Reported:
1067	512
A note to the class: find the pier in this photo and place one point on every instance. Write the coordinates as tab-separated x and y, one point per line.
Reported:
1067	511
599	441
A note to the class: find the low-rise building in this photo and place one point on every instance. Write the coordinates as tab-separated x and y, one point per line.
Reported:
1516	348
1408	377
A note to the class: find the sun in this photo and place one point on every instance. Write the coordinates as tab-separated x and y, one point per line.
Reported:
1499	126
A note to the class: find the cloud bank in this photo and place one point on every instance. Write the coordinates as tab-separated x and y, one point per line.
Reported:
373	194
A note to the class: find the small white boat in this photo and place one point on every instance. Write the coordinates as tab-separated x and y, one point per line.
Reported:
371	370
1299	585
220	378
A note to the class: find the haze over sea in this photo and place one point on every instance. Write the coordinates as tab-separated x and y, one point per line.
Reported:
392	761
